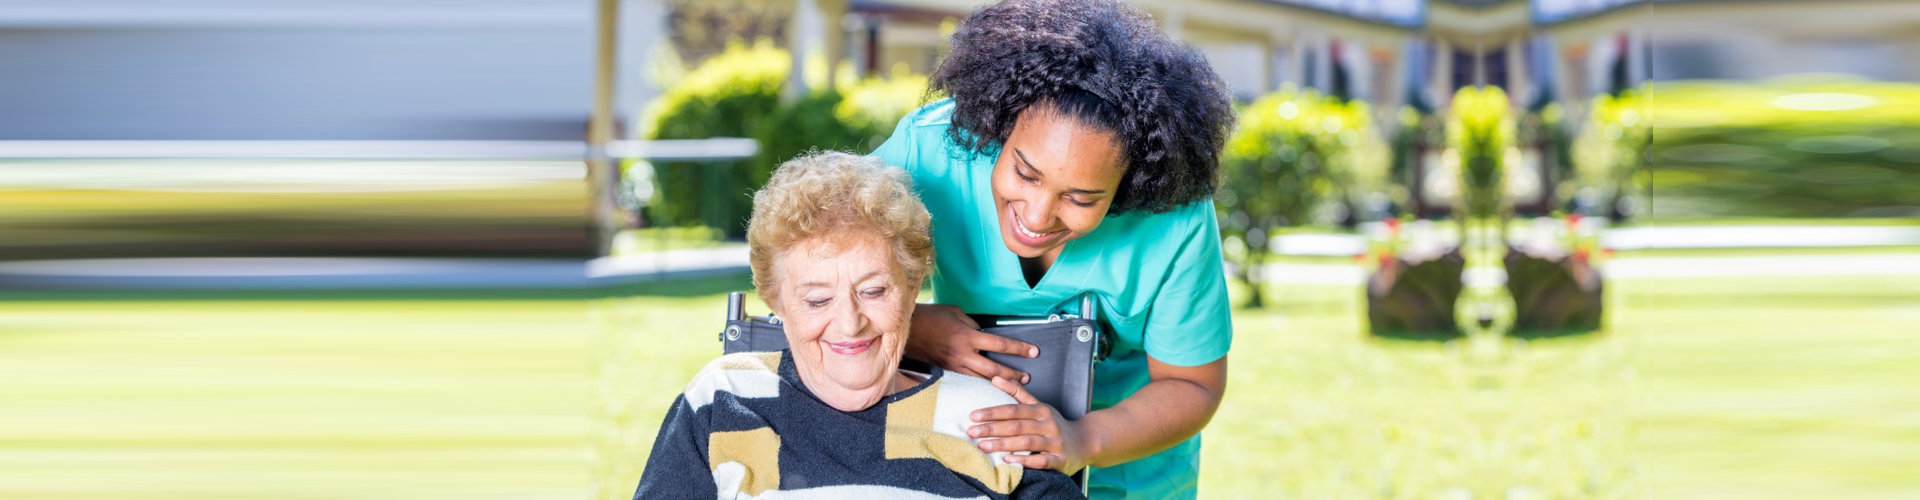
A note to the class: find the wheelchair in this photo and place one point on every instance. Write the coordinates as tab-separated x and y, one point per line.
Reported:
1062	376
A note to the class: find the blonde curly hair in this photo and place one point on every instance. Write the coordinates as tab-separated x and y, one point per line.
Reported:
820	194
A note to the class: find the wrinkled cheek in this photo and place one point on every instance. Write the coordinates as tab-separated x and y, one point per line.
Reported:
896	348
808	332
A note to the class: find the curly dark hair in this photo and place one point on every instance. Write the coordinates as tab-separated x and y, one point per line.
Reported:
1105	65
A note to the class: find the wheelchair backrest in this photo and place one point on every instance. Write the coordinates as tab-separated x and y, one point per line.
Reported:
1062	376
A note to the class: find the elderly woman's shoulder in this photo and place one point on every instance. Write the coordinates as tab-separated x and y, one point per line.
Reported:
747	361
744	374
970	392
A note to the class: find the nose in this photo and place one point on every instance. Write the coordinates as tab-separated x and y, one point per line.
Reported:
847	320
1039	216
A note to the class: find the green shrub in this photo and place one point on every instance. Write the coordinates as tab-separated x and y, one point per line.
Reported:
1290	151
1797	147
875	105
804	125
737	94
1481	129
1610	152
857	118
725	97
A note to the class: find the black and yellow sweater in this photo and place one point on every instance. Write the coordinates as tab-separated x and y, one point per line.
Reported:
746	427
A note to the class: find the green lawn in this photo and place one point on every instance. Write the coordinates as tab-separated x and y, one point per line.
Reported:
1750	388
293	399
1778	388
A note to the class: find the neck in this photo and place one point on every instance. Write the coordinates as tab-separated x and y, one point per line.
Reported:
1032	270
1035	268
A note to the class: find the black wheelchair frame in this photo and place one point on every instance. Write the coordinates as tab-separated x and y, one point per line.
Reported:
1062	376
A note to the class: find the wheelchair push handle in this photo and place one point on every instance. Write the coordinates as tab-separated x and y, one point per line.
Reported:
737	317
737	310
1087	309
736	306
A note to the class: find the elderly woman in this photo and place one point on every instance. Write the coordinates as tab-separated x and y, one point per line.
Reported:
839	248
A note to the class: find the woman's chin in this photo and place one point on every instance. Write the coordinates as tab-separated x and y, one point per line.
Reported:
849	399
859	383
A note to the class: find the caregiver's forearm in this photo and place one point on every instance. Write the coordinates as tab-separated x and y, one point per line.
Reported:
1175	405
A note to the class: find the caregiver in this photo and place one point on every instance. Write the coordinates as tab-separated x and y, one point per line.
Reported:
1077	152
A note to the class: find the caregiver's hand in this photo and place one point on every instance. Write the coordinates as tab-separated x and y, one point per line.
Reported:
1055	442
943	335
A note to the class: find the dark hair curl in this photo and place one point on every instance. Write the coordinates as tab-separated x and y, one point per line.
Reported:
1105	65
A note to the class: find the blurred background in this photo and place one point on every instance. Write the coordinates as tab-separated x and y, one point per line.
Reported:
1512	249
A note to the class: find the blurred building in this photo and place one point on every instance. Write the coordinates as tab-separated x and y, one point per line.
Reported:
1391	54
295	69
1386	52
496	69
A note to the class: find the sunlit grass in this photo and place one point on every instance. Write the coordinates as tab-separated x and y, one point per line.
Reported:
1777	387
1750	388
1682	397
1318	409
293	399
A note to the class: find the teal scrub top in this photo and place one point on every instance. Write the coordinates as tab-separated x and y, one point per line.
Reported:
1157	278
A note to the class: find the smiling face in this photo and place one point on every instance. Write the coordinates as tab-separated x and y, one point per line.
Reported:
1053	182
846	304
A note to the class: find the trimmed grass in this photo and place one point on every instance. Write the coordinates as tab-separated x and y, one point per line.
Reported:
1317	409
1777	388
1749	388
1691	393
293	399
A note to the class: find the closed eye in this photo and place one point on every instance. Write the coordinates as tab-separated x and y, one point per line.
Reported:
874	293
1022	174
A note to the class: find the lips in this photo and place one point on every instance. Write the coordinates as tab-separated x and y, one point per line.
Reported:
850	348
1027	237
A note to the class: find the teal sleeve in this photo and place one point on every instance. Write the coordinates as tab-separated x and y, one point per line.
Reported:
899	149
1190	323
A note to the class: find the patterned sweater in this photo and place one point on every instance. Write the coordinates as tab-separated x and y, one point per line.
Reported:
746	427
